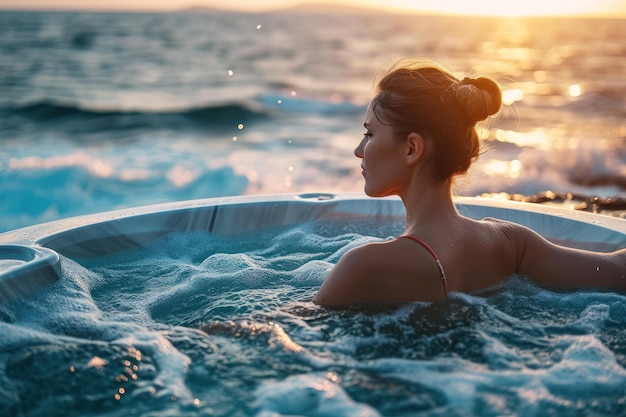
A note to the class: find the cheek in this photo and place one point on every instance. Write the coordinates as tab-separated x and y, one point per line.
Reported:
378	154
369	150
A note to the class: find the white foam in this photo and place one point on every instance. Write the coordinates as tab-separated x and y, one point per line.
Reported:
316	395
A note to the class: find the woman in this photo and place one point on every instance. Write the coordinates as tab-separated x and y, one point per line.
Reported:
420	134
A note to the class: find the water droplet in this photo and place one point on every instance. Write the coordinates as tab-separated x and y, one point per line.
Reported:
234	138
230	73
293	93
258	27
240	126
280	101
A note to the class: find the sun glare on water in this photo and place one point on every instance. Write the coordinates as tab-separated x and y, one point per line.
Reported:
513	9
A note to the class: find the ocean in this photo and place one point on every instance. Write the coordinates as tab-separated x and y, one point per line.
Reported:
100	111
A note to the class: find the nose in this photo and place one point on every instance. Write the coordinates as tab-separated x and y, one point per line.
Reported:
358	151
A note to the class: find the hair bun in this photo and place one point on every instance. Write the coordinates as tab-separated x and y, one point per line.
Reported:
478	97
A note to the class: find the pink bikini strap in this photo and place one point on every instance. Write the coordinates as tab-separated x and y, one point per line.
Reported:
434	255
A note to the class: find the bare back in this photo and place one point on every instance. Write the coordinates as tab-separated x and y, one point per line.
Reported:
474	254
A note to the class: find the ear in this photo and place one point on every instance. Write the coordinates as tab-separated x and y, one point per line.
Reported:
415	148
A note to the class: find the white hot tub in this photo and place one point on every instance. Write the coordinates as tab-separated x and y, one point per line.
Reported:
30	257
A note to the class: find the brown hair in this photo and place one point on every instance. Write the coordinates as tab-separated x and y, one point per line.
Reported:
423	97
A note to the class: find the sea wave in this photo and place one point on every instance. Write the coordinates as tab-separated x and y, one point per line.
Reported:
44	189
50	111
210	115
602	101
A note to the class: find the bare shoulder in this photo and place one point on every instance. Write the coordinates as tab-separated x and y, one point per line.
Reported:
526	240
486	252
392	271
520	240
350	280
368	259
515	233
504	225
560	266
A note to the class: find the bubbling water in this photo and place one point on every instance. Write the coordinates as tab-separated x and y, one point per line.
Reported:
203	324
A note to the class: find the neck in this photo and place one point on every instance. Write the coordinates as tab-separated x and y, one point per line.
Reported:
428	207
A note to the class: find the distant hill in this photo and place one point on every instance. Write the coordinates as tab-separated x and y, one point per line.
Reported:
201	9
333	8
304	8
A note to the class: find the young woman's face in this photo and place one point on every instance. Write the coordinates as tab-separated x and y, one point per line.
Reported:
384	169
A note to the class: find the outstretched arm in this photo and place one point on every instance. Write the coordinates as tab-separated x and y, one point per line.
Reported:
564	267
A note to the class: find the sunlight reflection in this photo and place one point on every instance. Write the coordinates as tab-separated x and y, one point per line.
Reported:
575	90
482	132
252	176
181	176
79	159
101	169
536	138
129	373
510	169
512	31
540	76
280	336
511	96
129	174
518	54
333	377
566	51
96	362
502	196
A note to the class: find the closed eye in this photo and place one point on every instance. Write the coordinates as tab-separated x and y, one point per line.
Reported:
368	133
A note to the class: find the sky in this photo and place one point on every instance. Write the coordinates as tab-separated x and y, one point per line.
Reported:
603	8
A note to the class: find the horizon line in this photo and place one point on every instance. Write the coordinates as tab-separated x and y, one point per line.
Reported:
308	8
